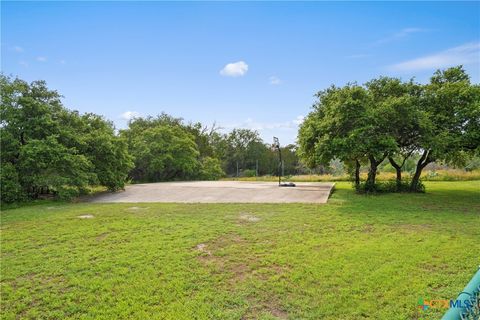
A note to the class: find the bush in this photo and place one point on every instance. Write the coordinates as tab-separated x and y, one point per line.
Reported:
420	187
67	192
211	169
248	173
388	187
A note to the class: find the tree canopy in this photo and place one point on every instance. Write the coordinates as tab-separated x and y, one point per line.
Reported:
46	147
390	119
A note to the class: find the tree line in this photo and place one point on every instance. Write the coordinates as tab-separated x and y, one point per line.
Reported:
388	119
48	149
166	148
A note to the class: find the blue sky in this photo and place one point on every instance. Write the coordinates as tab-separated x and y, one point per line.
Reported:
240	64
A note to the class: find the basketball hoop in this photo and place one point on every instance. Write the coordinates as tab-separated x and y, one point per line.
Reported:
276	145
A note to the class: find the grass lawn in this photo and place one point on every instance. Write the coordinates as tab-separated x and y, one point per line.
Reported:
355	257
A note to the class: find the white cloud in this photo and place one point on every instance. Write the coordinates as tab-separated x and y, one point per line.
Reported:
261	126
401	34
42	59
405	32
274	80
17	49
299	120
129	115
465	54
235	69
286	130
23	63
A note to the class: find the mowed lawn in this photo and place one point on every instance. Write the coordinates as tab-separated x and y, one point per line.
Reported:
355	257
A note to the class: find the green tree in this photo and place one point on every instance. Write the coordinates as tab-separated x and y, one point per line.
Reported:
107	152
389	118
399	107
452	107
48	164
211	169
244	147
338	128
53	149
11	189
164	151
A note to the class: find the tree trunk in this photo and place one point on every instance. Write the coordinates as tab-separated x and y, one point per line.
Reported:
398	168
357	173
416	179
372	173
421	164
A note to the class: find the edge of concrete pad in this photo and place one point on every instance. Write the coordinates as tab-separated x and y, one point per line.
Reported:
103	197
332	189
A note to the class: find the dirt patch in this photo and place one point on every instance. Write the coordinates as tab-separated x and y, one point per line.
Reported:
279	313
102	236
272	272
225	241
368	228
279	268
202	247
249	218
240	272
218	255
137	208
86	216
57	282
212	251
259	308
436	267
219	244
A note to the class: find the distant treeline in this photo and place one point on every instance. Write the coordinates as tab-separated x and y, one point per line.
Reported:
165	148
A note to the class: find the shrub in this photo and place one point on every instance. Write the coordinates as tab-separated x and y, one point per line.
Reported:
388	187
248	173
67	192
211	169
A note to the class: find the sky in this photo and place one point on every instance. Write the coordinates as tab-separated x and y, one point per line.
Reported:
253	65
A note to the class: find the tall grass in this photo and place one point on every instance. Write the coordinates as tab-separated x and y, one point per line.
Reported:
428	175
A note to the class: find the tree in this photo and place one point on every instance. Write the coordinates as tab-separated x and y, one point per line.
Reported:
53	149
398	104
452	108
11	190
388	118
244	147
290	159
163	150
49	164
337	128
211	169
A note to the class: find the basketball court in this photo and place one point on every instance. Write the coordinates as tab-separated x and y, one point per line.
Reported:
221	192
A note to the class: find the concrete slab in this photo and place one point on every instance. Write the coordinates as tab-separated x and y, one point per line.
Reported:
220	192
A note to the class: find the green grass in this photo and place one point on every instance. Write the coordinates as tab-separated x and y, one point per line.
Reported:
355	257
